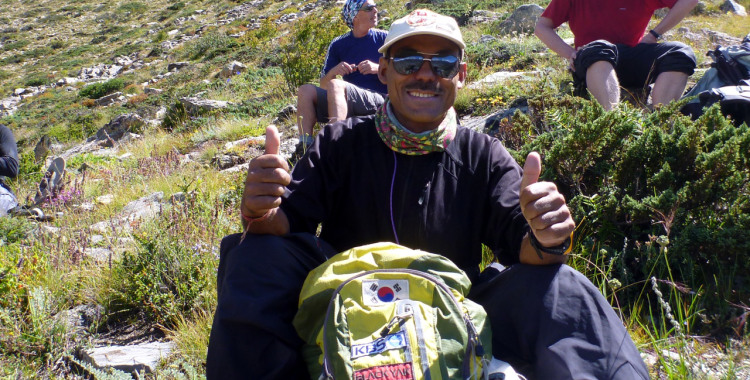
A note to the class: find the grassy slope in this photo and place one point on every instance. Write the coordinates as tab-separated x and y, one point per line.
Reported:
44	41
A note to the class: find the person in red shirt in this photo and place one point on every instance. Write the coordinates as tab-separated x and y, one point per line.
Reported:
613	47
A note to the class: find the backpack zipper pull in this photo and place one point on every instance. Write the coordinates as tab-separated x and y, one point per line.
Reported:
400	319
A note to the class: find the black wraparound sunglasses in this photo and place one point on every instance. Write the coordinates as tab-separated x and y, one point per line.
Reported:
445	66
368	8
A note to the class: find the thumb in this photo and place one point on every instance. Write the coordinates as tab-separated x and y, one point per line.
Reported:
273	141
531	170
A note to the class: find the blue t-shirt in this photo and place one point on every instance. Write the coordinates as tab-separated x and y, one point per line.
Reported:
352	50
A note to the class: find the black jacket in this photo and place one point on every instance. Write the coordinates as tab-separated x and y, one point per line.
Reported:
448	203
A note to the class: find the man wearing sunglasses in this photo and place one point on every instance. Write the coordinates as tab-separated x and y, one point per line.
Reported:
613	47
354	57
411	175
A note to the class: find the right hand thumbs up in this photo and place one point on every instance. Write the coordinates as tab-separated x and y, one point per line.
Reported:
273	141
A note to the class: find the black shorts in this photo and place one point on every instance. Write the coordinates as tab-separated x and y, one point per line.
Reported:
636	66
360	102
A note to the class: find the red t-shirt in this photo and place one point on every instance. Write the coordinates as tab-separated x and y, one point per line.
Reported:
617	21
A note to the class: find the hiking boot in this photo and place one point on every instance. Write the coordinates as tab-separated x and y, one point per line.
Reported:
52	182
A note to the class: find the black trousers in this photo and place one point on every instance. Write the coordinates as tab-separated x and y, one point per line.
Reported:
549	322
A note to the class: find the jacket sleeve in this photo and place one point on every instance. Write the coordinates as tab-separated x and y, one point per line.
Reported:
505	225
8	153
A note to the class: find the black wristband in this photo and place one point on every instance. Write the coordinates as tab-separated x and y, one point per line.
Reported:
653	33
561	249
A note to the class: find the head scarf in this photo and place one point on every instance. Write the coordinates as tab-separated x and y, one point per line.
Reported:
351	7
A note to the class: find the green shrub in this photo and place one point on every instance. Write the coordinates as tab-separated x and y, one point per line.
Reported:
133	7
36	79
27	164
303	53
98	40
171	273
637	181
12	230
97	90
38	52
127	49
211	45
176	6
175	118
58	44
15	45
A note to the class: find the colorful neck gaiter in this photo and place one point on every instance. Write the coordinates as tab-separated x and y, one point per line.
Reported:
401	140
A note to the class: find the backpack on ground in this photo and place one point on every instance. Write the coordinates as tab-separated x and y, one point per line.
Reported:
734	101
730	68
383	311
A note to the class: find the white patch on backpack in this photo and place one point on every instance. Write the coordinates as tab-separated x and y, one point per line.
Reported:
381	292
380	345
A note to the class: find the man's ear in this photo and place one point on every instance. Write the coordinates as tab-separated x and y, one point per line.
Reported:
382	68
461	75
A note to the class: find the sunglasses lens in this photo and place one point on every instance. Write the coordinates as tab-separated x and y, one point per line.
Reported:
444	66
407	65
369	8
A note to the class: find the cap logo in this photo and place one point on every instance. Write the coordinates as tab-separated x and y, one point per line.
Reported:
421	17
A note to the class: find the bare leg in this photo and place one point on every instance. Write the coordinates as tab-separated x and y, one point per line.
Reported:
668	87
601	80
337	109
307	98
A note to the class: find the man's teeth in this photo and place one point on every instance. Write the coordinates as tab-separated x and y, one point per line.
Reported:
420	94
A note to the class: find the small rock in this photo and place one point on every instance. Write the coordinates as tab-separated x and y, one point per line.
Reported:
105	199
96	239
87	206
232	68
175	66
179	197
152	91
136	358
109	99
99	255
287	111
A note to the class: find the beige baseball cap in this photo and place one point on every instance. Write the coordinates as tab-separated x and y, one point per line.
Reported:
423	21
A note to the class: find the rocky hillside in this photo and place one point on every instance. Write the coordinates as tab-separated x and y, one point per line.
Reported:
157	106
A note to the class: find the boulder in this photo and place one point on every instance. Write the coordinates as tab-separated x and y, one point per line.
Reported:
110	99
730	6
232	68
118	127
522	20
176	66
196	106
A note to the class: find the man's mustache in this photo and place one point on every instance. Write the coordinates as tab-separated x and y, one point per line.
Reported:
424	86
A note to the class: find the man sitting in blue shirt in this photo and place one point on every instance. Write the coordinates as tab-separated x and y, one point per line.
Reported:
354	56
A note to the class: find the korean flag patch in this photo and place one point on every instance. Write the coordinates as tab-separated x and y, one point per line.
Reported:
382	292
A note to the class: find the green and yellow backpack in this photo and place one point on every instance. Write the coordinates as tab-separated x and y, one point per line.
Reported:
383	311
